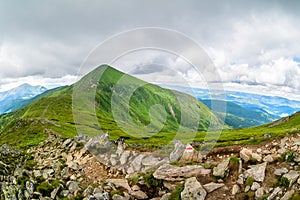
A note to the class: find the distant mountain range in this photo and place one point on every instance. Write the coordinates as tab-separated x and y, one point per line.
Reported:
18	97
245	109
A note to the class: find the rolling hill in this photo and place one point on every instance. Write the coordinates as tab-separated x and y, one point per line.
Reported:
54	111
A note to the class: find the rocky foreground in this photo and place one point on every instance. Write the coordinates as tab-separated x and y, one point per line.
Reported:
65	169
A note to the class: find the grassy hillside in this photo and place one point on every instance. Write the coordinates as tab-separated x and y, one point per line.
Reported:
53	112
255	135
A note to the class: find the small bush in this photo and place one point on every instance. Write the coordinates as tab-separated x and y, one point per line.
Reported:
22	181
151	182
252	161
134	180
249	181
284	182
250	194
30	164
45	188
234	160
288	156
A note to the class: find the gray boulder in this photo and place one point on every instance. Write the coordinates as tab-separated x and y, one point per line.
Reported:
169	172
257	172
210	187
176	154
193	190
221	168
292	176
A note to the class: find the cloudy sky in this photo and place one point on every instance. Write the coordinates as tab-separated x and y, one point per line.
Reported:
254	45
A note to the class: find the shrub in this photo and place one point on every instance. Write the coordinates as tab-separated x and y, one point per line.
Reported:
30	164
252	161
249	181
234	160
288	156
284	182
152	182
45	188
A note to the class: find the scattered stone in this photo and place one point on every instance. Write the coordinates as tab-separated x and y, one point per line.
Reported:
259	193
193	190
137	163
292	176
29	187
124	157
274	193
117	197
245	154
55	192
281	171
247	188
135	188
119	183
221	168
166	196
72	186
171	185
288	195
241	179
256	157
37	173
255	186
177	152
268	159
235	189
139	194
101	196
209	187
257	172
66	143
88	191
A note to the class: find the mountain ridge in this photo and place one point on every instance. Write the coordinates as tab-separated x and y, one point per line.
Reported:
54	111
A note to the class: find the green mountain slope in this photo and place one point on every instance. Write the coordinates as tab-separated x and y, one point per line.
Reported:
54	111
255	135
239	117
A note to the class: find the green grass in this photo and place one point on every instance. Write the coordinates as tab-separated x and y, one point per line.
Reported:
249	181
175	194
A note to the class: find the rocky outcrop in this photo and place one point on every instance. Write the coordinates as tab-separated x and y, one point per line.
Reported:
169	172
66	169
